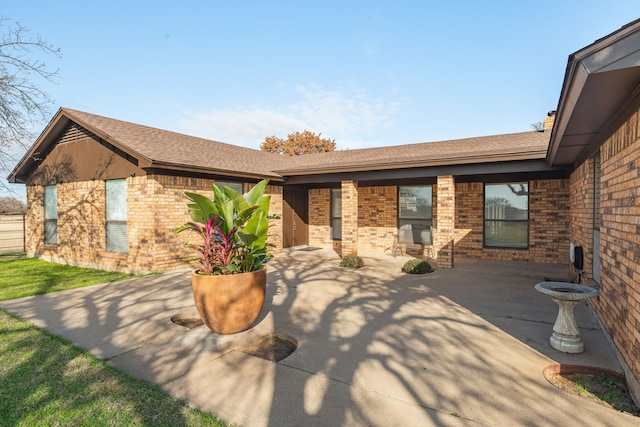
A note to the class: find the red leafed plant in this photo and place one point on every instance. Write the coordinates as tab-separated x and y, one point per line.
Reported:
233	228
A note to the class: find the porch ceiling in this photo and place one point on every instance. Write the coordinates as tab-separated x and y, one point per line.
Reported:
599	83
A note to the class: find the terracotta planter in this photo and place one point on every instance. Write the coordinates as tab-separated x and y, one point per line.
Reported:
229	304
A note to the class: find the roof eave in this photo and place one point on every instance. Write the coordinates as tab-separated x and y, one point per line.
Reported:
598	81
173	167
60	120
18	174
440	161
143	161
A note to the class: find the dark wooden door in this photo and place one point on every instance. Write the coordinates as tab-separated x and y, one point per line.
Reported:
295	218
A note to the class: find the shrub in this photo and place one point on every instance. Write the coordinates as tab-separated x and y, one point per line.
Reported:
417	266
352	261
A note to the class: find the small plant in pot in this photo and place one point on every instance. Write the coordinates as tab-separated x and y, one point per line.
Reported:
229	286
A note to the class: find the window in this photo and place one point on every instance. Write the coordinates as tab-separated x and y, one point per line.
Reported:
415	214
506	215
50	215
237	186
336	214
117	216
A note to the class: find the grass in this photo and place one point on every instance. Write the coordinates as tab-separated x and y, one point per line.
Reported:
47	381
605	389
23	277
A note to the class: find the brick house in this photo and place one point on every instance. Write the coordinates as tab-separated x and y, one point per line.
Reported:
106	193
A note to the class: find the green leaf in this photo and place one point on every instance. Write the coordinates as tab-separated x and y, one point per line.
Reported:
258	225
185	227
253	196
239	202
228	211
247	239
244	215
203	209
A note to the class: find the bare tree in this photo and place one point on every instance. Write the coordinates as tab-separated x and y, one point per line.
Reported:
298	143
23	103
11	205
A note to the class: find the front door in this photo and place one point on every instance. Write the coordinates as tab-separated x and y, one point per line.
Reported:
295	218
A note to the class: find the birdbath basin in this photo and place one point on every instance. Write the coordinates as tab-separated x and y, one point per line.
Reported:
566	337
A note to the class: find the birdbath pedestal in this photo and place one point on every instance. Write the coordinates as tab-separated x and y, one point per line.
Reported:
566	337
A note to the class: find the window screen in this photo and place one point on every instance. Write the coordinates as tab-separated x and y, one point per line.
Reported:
237	186
51	215
117	216
506	215
415	214
336	214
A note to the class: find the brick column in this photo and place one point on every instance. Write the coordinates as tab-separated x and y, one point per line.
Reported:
445	221
349	217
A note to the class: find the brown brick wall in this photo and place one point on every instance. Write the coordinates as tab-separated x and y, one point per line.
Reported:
618	305
156	206
320	218
443	239
349	217
548	223
377	218
80	206
581	213
469	217
34	220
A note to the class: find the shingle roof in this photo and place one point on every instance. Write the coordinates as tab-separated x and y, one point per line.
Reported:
162	149
165	148
515	146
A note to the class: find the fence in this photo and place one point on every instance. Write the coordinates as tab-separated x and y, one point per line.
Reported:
12	235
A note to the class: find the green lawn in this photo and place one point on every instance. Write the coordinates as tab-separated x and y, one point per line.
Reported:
47	381
21	277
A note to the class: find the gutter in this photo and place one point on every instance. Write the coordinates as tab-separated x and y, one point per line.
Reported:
210	171
441	161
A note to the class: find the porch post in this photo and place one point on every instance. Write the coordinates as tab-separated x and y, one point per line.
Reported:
349	217
445	221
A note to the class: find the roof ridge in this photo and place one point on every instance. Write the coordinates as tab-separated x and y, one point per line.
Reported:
74	113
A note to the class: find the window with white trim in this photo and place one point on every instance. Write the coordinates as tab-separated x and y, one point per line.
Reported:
116	207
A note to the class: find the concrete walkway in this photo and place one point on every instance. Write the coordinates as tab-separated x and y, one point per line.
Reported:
375	347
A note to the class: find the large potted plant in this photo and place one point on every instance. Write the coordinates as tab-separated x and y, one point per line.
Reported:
229	285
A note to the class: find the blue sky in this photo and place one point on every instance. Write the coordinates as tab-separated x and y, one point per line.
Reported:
365	73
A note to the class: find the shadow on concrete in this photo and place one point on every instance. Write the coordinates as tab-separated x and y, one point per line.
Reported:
375	347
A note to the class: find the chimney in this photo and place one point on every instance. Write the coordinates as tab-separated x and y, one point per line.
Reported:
548	122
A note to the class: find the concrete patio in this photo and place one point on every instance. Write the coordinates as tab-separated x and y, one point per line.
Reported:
465	346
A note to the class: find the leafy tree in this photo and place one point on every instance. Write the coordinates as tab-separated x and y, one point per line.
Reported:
11	205
298	143
23	104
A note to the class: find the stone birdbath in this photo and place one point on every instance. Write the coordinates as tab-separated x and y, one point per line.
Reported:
566	337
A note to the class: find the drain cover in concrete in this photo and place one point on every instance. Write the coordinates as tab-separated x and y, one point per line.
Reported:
273	347
188	320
